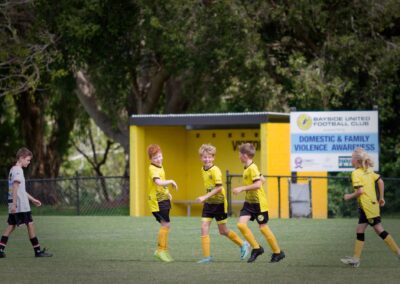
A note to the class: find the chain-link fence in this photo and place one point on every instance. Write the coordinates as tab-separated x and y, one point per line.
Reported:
337	187
75	196
110	195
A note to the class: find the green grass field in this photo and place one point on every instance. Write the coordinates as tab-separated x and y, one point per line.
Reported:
120	250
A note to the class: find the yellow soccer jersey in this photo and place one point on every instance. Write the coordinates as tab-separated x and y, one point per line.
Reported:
211	178
250	175
367	201
156	193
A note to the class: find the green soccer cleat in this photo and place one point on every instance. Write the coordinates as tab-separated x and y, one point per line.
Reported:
162	255
206	260
352	261
169	256
244	250
2	254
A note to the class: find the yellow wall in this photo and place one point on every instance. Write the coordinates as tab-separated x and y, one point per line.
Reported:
181	163
137	172
277	160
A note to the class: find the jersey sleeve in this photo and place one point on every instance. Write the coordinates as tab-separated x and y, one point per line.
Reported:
217	176
255	174
376	177
356	180
16	175
154	173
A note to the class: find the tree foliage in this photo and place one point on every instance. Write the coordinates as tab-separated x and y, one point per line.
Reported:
139	56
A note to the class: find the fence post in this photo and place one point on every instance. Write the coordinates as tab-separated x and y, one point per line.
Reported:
279	197
228	192
78	209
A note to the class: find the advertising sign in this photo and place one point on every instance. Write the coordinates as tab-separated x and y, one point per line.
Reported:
324	141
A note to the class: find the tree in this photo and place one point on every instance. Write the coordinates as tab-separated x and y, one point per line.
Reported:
36	86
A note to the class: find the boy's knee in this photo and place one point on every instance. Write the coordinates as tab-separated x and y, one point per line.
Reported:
384	235
241	226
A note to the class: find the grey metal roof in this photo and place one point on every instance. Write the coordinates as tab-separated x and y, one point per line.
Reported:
217	120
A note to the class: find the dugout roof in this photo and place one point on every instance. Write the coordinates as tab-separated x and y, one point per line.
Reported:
210	120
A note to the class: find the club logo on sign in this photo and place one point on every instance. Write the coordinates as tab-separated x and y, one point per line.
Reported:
304	122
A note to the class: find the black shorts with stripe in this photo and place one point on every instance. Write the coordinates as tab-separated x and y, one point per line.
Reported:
19	218
216	211
163	214
253	210
362	218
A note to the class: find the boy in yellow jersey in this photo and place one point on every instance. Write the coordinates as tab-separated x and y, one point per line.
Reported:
255	206
363	180
159	199
215	205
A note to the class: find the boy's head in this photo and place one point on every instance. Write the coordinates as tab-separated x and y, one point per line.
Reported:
247	152
24	157
207	154
360	158
155	154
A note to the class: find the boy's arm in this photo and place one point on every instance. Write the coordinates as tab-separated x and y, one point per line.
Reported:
203	198
160	182
34	200
14	196
254	186
355	194
381	187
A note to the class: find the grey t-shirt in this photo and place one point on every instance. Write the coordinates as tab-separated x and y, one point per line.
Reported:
17	175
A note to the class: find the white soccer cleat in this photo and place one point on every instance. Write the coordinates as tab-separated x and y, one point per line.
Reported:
352	261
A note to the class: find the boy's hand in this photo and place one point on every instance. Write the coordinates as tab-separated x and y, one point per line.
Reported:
174	184
237	190
200	199
13	208
347	196
36	202
382	202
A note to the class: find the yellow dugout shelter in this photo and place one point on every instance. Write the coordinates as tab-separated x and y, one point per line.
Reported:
181	135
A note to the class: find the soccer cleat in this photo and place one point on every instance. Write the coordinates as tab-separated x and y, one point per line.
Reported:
244	250
352	261
2	254
276	257
255	253
162	255
169	256
43	253
206	260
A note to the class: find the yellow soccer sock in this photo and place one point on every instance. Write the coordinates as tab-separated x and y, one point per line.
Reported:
270	237
235	238
392	244
163	238
248	235
205	244
358	247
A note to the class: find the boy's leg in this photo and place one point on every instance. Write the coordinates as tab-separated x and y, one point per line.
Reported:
247	234
359	244
4	239
387	238
270	238
32	237
163	236
35	242
223	230
205	237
